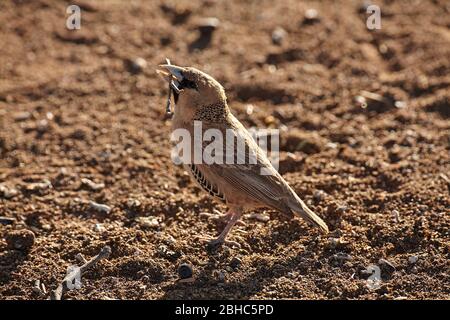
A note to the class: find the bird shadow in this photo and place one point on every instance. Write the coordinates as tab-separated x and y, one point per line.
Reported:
246	284
206	286
202	42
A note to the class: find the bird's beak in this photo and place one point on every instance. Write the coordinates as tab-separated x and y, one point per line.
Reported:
172	74
176	71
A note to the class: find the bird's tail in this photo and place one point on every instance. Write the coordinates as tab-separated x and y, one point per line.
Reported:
300	208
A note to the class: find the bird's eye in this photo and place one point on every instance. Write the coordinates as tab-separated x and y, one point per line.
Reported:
185	83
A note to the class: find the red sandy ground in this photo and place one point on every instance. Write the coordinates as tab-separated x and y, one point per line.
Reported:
70	109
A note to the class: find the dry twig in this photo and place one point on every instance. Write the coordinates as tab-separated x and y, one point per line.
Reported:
58	293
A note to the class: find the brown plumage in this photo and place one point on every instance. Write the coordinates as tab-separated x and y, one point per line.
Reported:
199	97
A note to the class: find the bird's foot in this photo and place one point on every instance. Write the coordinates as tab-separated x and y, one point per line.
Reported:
215	243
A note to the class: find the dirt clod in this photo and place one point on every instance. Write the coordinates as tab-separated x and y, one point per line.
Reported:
20	239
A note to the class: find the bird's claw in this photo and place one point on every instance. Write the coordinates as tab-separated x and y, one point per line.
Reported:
215	243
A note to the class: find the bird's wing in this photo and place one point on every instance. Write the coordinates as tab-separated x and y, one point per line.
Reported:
247	177
259	181
266	189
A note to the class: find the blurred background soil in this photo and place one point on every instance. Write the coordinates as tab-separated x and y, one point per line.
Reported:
364	120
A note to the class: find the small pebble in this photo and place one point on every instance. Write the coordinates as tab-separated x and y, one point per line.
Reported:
259	217
413	259
39	186
137	252
133	203
269	120
221	276
42	126
136	65
249	109
311	16
92	185
165	252
148	222
361	102
341	209
6	220
185	271
20	239
43	288
292	157
8	193
169	240
142	287
22	116
278	35
396	215
102	208
208	25
39	288
334	241
235	263
98	227
318	195
400	104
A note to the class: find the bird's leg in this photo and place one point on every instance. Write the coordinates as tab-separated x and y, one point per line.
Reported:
234	217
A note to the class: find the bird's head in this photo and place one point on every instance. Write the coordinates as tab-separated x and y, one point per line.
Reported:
193	89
